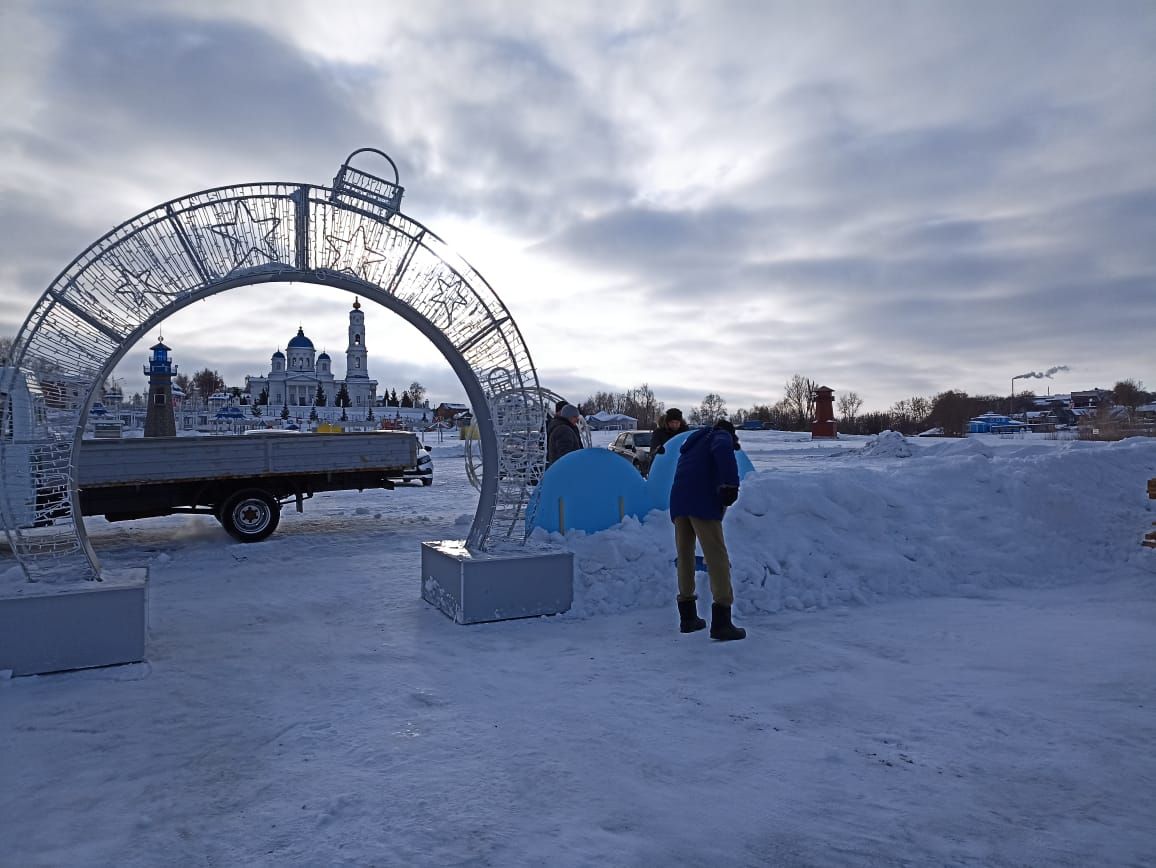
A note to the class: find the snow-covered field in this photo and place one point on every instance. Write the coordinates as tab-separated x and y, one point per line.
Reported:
951	661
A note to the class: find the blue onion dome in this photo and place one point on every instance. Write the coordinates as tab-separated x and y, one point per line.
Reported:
278	355
300	342
323	356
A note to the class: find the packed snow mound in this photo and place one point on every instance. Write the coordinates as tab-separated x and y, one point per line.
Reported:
851	532
887	444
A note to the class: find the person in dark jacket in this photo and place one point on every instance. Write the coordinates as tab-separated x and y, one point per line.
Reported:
706	482
563	437
670	425
554	421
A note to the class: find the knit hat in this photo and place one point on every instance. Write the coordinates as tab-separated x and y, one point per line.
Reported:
728	426
674	415
559	405
568	411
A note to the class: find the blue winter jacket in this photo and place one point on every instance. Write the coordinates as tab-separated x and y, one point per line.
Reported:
706	461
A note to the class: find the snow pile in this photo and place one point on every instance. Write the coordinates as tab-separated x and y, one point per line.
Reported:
888	444
958	520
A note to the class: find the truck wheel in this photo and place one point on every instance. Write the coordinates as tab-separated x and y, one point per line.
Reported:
427	480
250	516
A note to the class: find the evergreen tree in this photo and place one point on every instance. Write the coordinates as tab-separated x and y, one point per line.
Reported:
313	414
319	398
369	416
285	411
406	400
343	400
256	411
263	398
393	402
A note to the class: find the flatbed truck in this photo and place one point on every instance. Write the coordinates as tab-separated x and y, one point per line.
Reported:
242	481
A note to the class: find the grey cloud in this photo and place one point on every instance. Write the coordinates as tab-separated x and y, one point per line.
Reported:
933	186
176	82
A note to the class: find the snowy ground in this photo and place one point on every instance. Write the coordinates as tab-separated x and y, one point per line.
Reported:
950	662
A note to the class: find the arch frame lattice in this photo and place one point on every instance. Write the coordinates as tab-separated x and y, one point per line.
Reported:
541	400
350	236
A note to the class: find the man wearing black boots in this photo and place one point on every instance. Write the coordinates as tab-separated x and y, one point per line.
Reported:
706	482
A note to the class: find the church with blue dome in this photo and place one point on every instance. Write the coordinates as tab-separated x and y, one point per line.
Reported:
295	375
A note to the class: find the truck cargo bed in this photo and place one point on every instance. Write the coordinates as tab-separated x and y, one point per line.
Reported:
151	460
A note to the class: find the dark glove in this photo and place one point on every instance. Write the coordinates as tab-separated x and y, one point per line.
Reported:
661	450
728	494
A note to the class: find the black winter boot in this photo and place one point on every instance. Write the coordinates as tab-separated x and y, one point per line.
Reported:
689	621
721	627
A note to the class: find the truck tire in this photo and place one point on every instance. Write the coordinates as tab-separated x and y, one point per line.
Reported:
427	480
250	515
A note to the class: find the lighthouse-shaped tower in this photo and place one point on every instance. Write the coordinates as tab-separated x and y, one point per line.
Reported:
159	419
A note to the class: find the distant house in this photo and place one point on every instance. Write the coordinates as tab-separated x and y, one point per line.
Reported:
446	412
603	421
1090	399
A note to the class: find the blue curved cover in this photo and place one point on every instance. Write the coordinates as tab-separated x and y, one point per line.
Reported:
589	490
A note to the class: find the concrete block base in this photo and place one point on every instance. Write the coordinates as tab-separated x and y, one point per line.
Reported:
473	587
51	628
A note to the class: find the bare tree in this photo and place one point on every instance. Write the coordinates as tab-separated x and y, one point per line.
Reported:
5	349
712	408
849	404
417	393
800	398
901	416
1130	394
208	382
644	406
920	409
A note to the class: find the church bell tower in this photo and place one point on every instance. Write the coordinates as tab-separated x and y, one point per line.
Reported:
356	356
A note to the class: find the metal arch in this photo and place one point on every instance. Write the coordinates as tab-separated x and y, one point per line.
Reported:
121	287
539	402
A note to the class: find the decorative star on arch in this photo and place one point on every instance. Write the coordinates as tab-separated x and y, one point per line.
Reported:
353	254
137	285
249	235
450	297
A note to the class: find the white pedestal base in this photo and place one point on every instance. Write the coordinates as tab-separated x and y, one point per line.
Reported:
472	587
50	628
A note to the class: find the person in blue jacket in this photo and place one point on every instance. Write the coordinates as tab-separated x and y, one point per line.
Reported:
706	482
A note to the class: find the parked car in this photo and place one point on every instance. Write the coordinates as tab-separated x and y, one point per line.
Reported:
423	471
752	425
634	446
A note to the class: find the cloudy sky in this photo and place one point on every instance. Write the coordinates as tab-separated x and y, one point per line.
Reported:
893	198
